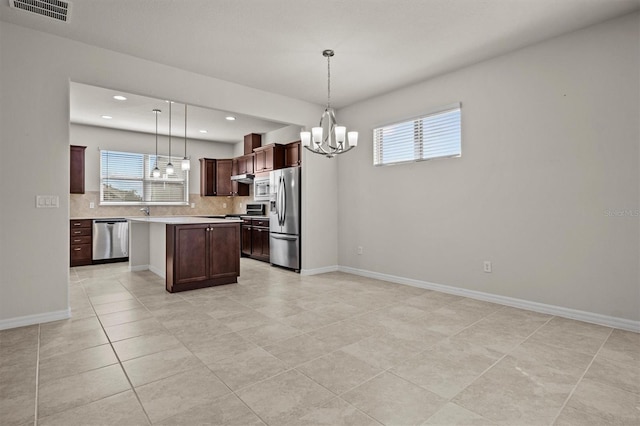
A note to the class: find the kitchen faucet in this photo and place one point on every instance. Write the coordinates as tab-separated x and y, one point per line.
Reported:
145	210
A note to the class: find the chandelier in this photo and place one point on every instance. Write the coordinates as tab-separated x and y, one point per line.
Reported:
329	139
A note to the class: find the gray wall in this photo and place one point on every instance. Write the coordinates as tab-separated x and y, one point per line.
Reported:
550	147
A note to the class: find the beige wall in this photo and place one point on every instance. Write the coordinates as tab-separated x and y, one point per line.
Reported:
35	70
550	146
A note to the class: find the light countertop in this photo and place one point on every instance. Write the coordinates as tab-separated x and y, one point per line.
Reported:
180	220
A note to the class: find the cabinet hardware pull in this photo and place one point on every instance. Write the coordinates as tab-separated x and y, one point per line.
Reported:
77	232
76	241
77	249
77	224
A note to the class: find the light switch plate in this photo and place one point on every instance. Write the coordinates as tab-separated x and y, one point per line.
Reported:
47	201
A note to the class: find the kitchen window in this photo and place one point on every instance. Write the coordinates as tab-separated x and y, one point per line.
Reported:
435	135
126	178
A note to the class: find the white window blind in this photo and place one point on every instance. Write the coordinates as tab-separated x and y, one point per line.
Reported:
126	178
435	135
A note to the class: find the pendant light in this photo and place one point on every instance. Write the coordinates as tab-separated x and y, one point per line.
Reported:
185	163
334	141
169	168
156	170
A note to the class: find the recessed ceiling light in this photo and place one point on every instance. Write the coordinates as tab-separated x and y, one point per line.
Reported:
230	118
119	98
203	131
107	117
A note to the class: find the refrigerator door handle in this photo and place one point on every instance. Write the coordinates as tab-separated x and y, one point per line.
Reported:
280	203
284	201
277	205
282	237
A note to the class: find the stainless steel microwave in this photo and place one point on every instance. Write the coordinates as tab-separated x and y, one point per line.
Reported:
261	190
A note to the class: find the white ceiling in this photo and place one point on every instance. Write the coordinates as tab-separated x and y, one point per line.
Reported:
89	103
276	45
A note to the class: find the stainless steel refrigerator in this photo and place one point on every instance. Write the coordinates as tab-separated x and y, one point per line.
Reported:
284	215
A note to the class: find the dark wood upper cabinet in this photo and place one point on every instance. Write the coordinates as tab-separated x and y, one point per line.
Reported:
215	178
251	142
207	176
269	157
223	177
76	181
245	164
292	154
238	188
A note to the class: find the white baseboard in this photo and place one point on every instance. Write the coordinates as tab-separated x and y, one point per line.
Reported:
159	272
138	268
560	311
317	271
34	319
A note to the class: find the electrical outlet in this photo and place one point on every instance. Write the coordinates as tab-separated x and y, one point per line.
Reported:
487	266
359	250
92	205
224	205
193	205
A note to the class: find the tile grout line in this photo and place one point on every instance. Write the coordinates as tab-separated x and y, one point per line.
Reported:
339	395
133	389
35	413
450	400
566	401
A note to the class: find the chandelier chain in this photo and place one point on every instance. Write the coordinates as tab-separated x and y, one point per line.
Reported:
328	81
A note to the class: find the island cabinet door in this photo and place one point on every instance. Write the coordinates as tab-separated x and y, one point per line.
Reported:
224	250
189	257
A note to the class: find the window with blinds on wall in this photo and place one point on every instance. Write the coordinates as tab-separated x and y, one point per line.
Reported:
126	178
434	135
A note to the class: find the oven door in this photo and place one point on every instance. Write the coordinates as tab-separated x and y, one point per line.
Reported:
261	189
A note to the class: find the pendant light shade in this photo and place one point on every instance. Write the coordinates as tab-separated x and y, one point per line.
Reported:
185	163
156	170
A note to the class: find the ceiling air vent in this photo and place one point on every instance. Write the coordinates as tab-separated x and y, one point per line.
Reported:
54	9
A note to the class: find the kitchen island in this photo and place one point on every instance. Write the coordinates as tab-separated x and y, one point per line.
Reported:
188	252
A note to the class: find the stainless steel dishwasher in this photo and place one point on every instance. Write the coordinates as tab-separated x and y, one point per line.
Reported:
110	239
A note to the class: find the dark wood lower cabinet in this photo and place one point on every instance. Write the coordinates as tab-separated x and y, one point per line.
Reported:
260	244
255	239
81	247
246	238
202	255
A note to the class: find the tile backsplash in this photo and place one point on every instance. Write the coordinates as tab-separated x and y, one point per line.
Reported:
79	207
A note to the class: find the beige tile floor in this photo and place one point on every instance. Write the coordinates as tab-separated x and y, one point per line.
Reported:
282	349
